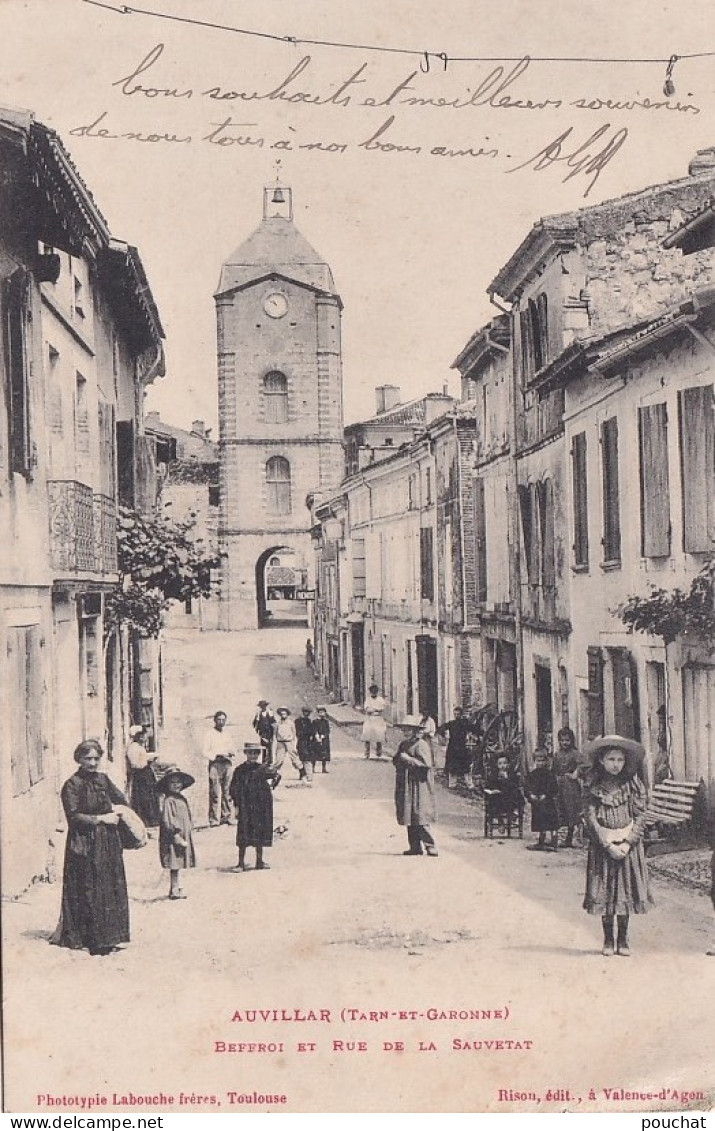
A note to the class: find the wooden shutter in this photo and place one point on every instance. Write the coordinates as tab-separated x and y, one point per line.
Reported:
527	345
538	318
548	561
654	481
480	536
358	557
595	693
35	698
105	415
25	707
611	500
579	475
426	563
527	527
697	454
16	303
372	566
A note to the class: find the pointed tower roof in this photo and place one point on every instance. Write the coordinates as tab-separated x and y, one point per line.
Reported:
277	246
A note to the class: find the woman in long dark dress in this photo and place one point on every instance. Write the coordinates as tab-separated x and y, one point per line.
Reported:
95	905
143	796
250	792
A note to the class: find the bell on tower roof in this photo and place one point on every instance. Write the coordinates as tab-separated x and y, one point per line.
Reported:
278	199
276	245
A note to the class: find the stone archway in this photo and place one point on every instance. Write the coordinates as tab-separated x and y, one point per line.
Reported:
280	574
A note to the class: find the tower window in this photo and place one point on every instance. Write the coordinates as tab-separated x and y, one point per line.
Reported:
278	485
275	395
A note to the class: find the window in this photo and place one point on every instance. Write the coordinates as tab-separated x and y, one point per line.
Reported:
697	456
79	299
24	652
448	567
527	510
55	408
125	462
534	333
412	492
278	486
359	567
81	421
611	502
480	536
427	563
579	478
16	300
275	396
428	487
654	484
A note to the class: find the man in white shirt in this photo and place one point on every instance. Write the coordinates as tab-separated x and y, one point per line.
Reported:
218	752
286	743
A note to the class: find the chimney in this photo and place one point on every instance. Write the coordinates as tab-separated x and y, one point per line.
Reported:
152	419
703	162
387	397
436	404
198	427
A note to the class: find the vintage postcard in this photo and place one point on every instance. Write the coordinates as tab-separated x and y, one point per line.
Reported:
356	577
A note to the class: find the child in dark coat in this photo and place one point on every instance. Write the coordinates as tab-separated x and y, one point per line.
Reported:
176	844
321	738
250	791
304	740
503	790
542	789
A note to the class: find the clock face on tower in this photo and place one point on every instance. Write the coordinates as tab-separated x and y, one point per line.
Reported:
275	305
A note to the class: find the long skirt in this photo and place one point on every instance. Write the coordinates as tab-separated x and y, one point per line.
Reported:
374	729
95	904
144	798
458	760
616	887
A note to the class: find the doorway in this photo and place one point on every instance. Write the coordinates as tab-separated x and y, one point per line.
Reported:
427	681
280	578
544	704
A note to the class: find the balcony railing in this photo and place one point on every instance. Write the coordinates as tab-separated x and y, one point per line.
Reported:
83	528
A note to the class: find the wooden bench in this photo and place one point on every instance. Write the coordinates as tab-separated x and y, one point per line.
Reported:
672	803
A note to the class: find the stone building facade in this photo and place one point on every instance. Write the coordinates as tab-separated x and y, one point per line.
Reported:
80	341
280	402
578	472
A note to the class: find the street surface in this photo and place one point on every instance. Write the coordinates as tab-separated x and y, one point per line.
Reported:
343	921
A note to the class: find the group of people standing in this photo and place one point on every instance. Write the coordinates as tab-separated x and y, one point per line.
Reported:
305	742
604	789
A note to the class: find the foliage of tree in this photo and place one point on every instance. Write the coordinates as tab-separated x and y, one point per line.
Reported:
158	563
676	612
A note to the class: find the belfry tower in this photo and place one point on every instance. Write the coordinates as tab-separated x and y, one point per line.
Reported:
280	402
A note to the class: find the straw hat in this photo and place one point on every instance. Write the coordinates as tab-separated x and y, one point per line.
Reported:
174	772
634	751
413	721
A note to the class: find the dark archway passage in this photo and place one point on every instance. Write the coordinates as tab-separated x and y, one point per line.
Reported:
279	574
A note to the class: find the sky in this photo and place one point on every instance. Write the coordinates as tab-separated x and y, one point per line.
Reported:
175	128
